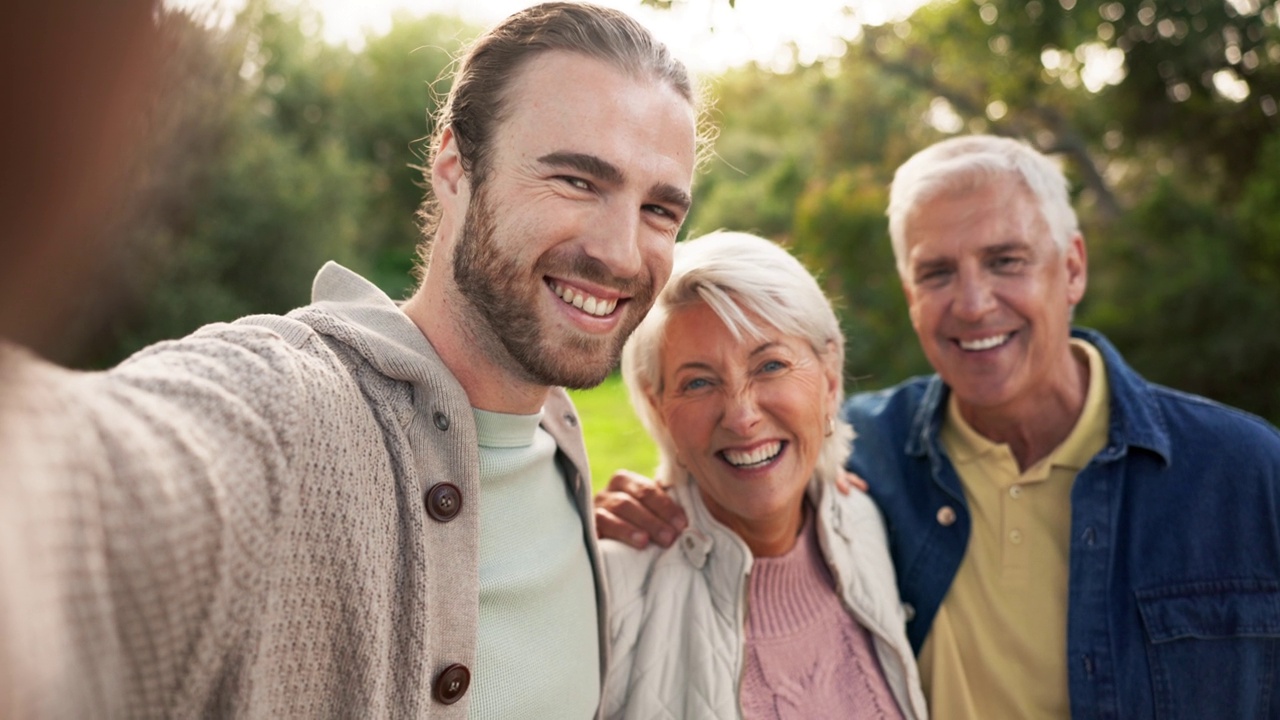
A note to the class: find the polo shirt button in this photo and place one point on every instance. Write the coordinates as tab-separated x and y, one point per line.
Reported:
444	501
1015	492
571	419
946	516
1015	537
441	420
452	684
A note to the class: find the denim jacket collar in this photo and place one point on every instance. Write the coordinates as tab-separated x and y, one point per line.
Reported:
1136	419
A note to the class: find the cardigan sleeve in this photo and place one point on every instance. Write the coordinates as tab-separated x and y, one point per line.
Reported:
137	507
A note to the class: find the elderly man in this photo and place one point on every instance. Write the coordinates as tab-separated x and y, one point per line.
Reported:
1070	540
364	509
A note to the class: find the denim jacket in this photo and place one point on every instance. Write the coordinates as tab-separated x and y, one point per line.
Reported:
1174	591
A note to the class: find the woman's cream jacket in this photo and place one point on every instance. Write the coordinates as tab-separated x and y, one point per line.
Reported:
678	615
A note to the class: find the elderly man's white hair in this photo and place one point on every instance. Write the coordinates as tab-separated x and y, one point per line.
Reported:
749	283
970	162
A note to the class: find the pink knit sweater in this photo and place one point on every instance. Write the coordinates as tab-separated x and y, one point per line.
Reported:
806	656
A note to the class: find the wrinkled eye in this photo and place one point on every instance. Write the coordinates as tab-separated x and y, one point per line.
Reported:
1007	262
931	276
576	182
696	384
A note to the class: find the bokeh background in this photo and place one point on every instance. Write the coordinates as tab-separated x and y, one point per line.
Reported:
276	145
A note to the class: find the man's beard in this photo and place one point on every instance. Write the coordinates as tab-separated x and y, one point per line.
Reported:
503	297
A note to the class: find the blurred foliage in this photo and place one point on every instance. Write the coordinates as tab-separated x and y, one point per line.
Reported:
283	152
1164	114
613	434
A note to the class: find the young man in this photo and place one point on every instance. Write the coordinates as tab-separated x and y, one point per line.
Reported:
360	509
1071	540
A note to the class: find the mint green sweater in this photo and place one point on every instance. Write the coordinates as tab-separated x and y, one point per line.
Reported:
537	652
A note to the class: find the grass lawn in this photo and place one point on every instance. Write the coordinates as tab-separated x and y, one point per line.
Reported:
615	438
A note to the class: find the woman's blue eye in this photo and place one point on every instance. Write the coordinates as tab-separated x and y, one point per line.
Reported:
773	365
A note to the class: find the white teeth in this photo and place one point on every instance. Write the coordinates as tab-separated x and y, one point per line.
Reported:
588	304
759	456
985	343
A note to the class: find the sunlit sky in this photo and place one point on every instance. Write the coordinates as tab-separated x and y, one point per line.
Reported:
708	34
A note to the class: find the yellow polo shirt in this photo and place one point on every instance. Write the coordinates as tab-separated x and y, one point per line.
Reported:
998	646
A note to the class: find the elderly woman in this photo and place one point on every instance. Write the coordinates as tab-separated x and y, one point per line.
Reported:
779	600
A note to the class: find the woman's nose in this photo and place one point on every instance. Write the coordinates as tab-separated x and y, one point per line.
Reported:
742	412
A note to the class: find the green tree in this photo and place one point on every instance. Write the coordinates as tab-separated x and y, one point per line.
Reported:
280	152
840	232
1163	113
390	102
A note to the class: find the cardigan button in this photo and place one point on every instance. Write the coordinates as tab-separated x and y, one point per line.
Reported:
452	684
441	420
444	501
946	516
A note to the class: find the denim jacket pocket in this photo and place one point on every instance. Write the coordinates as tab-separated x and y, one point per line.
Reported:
1213	647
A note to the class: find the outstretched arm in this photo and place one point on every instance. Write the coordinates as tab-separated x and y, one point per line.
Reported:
138	508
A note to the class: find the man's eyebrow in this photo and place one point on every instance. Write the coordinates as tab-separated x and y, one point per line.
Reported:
1004	247
671	195
596	167
602	169
926	264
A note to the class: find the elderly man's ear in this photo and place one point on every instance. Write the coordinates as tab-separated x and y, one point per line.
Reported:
1077	259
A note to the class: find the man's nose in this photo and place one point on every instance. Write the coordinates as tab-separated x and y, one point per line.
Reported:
974	297
615	241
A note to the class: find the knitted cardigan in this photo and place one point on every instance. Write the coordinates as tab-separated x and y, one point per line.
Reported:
233	524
